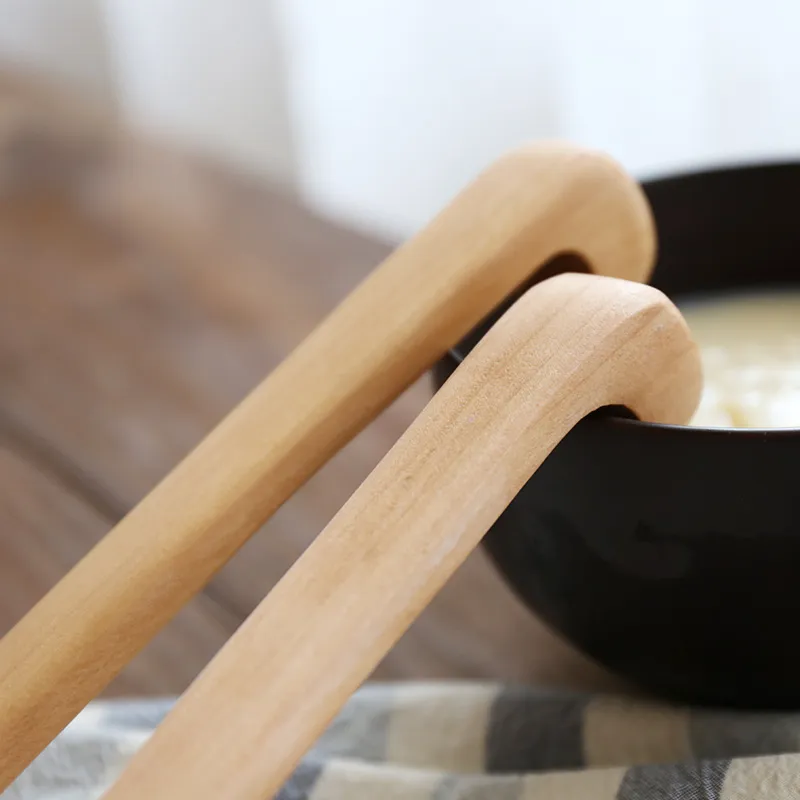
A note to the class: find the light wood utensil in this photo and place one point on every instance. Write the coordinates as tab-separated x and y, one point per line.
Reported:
570	345
527	207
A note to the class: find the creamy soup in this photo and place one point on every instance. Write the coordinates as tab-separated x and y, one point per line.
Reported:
750	348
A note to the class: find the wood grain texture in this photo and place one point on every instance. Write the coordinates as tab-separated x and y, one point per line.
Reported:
521	211
128	327
566	348
46	529
142	294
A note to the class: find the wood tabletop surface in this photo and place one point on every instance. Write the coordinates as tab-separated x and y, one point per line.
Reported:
143	292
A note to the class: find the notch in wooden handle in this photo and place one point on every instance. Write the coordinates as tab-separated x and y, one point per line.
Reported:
527	207
570	345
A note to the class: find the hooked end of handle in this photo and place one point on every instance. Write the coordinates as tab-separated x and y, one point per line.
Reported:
618	342
587	201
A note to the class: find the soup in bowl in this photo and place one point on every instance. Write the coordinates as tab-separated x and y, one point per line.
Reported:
671	554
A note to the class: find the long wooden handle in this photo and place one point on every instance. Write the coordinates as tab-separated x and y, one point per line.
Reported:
528	206
570	345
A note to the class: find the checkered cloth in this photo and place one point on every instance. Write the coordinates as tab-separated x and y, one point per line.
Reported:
476	742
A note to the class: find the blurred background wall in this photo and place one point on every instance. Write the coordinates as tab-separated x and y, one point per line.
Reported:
376	112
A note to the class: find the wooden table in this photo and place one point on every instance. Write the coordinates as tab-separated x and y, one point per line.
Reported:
142	294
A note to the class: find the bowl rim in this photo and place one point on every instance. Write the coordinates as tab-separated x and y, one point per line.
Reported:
676	176
709	169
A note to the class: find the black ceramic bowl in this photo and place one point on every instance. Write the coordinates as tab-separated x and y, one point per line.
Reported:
672	554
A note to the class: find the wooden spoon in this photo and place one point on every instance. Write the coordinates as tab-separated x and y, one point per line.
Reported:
524	209
570	345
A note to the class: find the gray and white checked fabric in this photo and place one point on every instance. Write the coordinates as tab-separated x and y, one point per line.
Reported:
465	741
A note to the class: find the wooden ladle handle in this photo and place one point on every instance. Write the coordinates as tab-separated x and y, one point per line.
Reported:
528	206
570	345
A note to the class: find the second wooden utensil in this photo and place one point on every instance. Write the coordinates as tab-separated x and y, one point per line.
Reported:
568	346
524	209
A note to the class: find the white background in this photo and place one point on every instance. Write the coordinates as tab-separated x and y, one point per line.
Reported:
377	112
